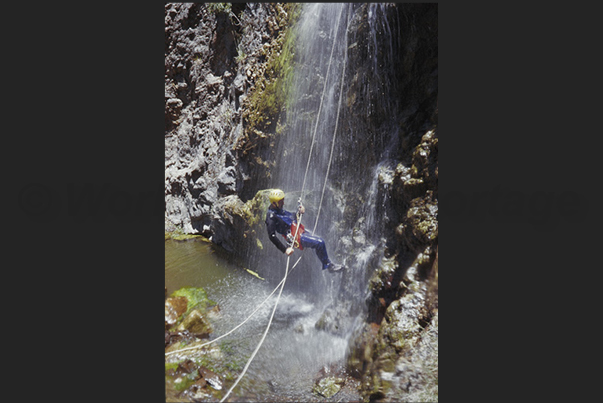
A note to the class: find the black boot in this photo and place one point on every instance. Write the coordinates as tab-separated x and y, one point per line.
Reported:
333	267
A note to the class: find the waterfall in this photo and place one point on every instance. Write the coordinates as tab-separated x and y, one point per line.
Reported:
344	58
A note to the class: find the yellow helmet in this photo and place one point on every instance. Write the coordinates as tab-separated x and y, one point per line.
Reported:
276	195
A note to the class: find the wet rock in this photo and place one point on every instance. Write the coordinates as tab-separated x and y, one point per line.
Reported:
236	223
359	238
211	377
419	228
336	319
174	308
327	321
186	367
414	187
425	159
198	391
238	83
196	323
213	80
360	352
328	387
214	313
178	336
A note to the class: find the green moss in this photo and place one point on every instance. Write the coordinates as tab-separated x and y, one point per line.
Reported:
171	366
179	235
196	297
178	383
185	382
182	237
269	97
251	212
328	387
219	7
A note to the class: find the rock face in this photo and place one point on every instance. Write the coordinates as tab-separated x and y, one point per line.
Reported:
216	57
391	122
396	353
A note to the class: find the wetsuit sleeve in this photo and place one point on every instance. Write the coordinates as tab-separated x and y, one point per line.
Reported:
271	228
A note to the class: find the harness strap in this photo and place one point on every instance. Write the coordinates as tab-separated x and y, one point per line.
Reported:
297	241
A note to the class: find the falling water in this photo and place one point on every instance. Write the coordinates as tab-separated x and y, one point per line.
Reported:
328	146
334	143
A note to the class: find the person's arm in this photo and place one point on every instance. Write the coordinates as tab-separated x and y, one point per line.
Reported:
271	228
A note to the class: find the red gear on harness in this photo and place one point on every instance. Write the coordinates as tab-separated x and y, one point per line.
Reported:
289	237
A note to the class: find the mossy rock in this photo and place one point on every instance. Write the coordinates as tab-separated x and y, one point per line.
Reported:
196	323
175	307
183	237
420	225
268	97
196	298
328	387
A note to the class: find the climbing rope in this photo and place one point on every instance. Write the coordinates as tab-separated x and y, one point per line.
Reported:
271	316
239	325
345	58
303	185
320	107
263	336
283	281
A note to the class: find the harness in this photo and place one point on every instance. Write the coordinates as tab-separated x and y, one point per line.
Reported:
290	221
289	237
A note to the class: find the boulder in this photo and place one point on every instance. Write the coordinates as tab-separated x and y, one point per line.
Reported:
328	387
196	323
174	308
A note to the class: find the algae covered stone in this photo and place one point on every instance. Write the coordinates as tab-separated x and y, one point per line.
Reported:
195	299
328	387
196	323
175	307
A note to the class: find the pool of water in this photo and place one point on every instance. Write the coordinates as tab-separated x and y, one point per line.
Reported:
294	351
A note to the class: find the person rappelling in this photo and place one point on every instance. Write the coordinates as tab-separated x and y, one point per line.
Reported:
279	220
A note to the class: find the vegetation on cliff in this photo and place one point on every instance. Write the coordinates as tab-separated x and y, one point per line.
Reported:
264	108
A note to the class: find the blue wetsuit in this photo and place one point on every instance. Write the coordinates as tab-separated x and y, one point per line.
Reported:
280	220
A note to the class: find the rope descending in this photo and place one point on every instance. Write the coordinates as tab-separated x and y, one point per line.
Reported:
324	88
239	325
263	336
345	58
281	285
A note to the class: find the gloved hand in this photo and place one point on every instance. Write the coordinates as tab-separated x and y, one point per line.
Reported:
289	251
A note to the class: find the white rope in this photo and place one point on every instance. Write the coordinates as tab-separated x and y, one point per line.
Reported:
299	217
320	105
239	325
265	332
282	283
345	58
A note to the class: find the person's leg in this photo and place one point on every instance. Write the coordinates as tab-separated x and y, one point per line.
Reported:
318	244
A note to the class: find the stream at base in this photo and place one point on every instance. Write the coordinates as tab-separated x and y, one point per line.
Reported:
294	351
